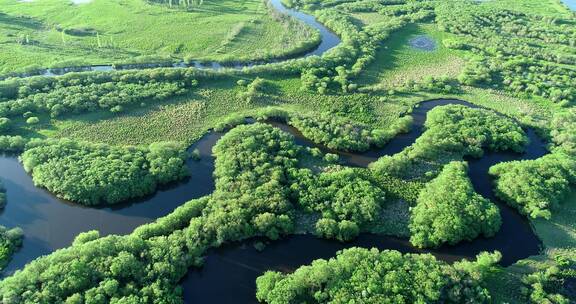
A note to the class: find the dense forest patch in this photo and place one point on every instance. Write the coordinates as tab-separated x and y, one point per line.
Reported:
536	187
379	277
449	211
94	174
455	131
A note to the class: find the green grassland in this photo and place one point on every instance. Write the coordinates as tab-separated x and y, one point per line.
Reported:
397	62
188	117
54	33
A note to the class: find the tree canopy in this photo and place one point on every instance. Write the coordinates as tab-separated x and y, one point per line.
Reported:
535	187
455	130
449	210
372	276
93	174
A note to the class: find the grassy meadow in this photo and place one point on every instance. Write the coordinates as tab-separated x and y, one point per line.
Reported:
57	33
397	61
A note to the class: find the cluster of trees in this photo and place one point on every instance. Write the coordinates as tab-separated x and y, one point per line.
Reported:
12	143
550	285
432	84
346	199
342	134
449	210
5	125
93	174
369	276
523	53
18	88
115	269
562	133
253	90
112	96
535	187
254	166
10	242
337	68
459	131
328	129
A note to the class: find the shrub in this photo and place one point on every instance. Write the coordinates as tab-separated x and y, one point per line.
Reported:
449	211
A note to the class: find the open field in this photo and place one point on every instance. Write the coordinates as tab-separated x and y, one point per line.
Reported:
57	33
398	62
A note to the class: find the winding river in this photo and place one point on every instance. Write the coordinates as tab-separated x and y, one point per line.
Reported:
50	223
229	273
328	41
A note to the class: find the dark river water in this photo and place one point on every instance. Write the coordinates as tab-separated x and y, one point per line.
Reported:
50	223
229	272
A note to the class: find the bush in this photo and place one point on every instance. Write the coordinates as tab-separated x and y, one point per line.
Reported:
449	211
379	277
5	124
94	174
535	187
32	120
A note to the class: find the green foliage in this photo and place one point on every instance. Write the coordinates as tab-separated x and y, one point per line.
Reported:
5	124
535	187
12	143
87	98
455	130
370	276
549	286
254	90
449	211
93	174
32	120
10	241
345	198
342	134
522	53
563	135
255	164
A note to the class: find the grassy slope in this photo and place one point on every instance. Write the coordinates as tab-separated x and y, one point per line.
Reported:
396	61
128	28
